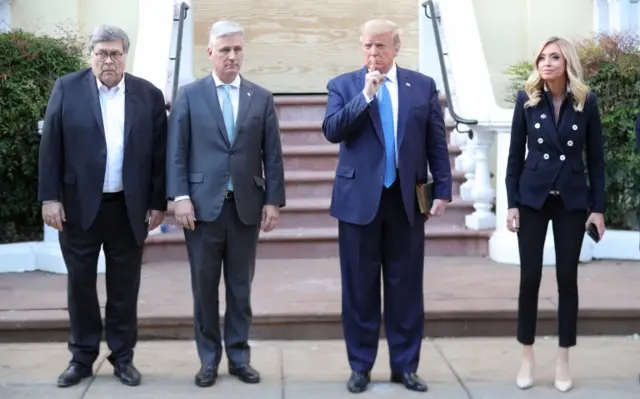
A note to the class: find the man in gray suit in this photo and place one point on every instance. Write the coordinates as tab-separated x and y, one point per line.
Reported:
223	130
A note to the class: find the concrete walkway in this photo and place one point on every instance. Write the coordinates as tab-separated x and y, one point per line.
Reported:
603	367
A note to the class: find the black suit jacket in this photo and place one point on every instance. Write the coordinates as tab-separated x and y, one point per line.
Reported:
555	159
73	150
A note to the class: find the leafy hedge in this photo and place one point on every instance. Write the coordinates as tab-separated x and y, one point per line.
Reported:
29	66
612	70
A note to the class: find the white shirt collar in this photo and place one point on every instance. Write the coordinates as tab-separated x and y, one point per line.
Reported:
120	86
393	74
234	84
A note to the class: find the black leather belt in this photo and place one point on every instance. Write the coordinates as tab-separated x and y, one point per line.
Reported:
112	196
228	195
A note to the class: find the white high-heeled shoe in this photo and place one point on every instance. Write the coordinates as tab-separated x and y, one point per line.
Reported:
525	380
563	386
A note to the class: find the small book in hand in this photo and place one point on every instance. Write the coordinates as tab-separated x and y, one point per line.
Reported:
424	195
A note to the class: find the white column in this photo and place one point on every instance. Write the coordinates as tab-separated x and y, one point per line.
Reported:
186	52
503	244
628	10
482	192
601	15
428	61
5	15
186	62
48	256
616	18
153	48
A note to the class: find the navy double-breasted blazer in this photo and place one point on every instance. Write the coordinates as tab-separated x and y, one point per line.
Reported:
555	160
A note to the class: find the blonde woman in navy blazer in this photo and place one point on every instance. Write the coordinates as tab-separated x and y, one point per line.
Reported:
556	118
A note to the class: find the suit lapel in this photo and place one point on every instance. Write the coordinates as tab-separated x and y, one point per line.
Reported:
545	116
244	103
545	119
94	100
565	128
404	103
210	94
374	111
129	107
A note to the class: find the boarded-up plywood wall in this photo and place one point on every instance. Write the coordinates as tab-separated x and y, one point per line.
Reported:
296	46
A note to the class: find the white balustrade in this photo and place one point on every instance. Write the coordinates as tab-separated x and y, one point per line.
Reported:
482	192
467	165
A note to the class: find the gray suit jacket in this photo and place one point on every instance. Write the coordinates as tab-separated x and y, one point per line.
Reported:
200	158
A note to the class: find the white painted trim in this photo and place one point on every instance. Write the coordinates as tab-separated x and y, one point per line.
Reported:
618	245
18	257
42	256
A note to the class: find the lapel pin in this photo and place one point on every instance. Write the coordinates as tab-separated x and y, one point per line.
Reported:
543	116
408	84
249	94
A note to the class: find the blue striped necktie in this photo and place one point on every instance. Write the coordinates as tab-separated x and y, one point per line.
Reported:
386	116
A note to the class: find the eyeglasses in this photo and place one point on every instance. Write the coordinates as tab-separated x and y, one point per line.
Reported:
102	55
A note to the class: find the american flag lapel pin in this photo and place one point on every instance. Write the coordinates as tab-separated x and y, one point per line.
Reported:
408	84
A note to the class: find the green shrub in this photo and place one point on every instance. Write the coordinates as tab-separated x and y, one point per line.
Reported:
29	66
612	70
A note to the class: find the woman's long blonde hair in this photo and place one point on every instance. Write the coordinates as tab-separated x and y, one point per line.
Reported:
575	80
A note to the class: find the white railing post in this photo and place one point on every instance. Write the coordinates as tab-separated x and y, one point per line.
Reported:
482	193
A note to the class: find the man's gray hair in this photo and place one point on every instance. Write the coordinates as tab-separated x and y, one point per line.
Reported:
224	28
106	33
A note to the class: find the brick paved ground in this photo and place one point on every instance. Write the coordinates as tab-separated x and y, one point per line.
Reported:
476	368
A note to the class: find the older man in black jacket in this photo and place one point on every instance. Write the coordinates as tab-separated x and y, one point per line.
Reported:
102	184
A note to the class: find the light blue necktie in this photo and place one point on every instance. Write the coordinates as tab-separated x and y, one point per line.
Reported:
386	115
229	119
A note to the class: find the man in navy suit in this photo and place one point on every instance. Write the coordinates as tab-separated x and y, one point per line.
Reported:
390	127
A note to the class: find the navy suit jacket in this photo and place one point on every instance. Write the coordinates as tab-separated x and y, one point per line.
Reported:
356	125
555	159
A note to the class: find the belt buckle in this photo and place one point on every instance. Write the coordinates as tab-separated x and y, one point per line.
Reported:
554	192
228	194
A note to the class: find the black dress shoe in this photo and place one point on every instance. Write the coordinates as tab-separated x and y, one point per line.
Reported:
358	382
245	373
128	374
73	375
411	381
207	376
